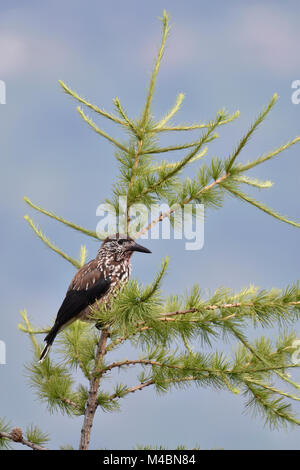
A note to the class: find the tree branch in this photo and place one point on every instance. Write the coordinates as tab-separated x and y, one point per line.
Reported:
133	389
91	406
90	105
233	371
16	435
194	126
170	211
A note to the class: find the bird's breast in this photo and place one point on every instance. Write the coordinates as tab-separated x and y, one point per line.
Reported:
119	275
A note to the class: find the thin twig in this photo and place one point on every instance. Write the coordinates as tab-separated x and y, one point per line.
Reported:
133	173
16	436
71	403
150	362
133	389
170	211
263	359
168	316
91	405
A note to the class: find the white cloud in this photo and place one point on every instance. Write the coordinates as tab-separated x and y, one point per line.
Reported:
22	52
269	38
14	54
255	36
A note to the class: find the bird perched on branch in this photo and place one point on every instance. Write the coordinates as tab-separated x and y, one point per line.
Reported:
95	282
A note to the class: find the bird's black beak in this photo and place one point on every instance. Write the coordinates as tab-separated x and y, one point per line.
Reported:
140	248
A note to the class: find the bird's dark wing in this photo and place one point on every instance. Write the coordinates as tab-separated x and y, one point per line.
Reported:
87	286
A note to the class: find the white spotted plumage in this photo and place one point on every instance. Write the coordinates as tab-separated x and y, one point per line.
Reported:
95	283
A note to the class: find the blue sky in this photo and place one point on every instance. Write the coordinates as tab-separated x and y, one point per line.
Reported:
233	55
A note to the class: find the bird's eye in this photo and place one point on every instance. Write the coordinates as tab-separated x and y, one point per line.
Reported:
120	242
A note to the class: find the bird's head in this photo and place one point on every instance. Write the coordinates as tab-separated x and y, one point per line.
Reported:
121	246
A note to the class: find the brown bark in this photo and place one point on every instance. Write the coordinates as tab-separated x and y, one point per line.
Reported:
92	404
16	435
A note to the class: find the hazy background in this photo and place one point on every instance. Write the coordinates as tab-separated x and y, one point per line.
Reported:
232	54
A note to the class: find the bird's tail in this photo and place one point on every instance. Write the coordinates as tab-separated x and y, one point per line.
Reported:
49	341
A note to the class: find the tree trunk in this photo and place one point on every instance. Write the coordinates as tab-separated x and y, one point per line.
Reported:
92	404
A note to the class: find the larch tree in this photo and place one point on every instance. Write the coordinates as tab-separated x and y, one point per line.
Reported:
165	329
